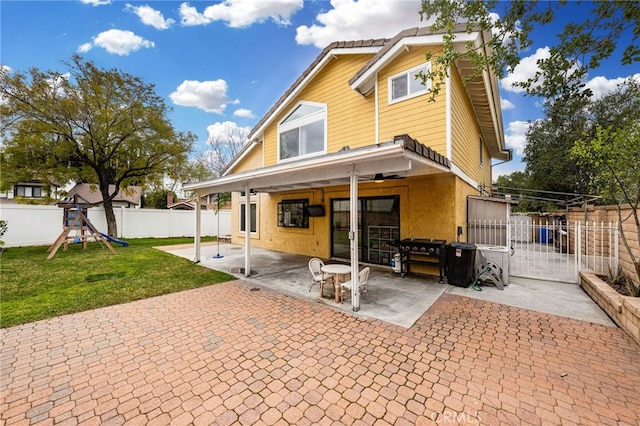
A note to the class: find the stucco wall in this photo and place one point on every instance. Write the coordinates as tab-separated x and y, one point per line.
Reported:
430	207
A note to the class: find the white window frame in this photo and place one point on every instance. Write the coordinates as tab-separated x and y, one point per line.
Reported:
241	216
411	77
300	122
481	152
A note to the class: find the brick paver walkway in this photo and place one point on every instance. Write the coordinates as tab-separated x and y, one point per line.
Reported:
226	354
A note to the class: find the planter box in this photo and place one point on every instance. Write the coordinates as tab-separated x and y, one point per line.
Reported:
623	310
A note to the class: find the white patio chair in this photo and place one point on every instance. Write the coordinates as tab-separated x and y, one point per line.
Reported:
317	276
363	277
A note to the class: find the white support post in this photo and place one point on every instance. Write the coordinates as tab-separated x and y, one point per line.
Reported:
247	231
197	231
353	236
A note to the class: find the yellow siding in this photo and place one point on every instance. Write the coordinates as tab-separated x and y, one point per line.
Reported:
431	206
421	119
350	116
252	160
465	151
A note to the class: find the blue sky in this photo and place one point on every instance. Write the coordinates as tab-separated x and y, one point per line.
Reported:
222	65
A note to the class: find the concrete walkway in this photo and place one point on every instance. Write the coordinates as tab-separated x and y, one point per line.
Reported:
241	353
400	301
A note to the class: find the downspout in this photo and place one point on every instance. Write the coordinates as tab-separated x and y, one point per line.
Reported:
353	236
247	231
196	234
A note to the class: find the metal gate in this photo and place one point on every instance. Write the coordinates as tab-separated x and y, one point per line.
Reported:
550	250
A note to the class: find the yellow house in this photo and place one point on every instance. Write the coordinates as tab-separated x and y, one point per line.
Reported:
354	155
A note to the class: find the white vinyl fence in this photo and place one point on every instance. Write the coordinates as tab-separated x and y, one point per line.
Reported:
40	225
550	250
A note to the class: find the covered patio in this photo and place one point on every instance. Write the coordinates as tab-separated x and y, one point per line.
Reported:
403	157
391	298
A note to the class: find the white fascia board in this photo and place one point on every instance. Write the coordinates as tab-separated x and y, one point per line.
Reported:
372	50
312	167
465	177
426	40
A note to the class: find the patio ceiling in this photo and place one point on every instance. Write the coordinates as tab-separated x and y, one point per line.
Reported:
403	156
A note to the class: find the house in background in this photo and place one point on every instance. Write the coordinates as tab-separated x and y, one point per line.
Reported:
130	197
355	156
188	203
31	190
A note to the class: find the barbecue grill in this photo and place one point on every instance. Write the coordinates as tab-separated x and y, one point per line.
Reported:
418	251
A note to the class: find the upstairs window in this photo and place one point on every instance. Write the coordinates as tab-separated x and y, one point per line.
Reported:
303	131
407	85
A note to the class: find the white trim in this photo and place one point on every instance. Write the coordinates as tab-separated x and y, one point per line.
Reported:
462	175
280	174
300	122
252	200
448	116
376	107
294	93
412	72
400	46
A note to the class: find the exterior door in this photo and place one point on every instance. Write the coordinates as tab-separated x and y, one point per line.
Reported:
378	228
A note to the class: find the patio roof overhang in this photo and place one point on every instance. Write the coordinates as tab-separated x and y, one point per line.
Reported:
402	156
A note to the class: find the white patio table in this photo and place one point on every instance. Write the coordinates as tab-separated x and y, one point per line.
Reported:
337	269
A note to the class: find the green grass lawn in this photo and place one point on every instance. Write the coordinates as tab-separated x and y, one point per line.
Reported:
34	288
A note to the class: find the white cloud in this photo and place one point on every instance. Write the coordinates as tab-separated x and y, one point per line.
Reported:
150	16
516	135
243	112
119	42
525	70
191	17
363	19
600	85
85	47
227	133
506	104
96	2
209	96
241	13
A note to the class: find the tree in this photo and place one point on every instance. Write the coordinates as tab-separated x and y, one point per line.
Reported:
157	198
549	143
224	143
610	149
90	124
582	45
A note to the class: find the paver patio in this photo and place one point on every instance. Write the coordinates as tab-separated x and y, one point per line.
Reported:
233	353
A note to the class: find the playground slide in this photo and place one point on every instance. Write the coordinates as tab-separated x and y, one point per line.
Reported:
114	240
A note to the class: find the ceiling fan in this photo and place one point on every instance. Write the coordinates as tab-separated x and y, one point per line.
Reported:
379	177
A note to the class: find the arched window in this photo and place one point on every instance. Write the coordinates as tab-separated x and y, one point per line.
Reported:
303	132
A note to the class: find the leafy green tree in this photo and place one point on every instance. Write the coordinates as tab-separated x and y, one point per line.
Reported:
157	198
582	45
610	149
92	124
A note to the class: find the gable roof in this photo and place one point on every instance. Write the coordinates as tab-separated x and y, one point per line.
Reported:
482	91
91	194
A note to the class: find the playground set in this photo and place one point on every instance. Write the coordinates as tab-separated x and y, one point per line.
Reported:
78	229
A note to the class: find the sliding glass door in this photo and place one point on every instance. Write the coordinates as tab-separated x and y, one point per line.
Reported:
378	227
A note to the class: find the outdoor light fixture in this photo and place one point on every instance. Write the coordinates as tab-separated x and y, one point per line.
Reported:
378	178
